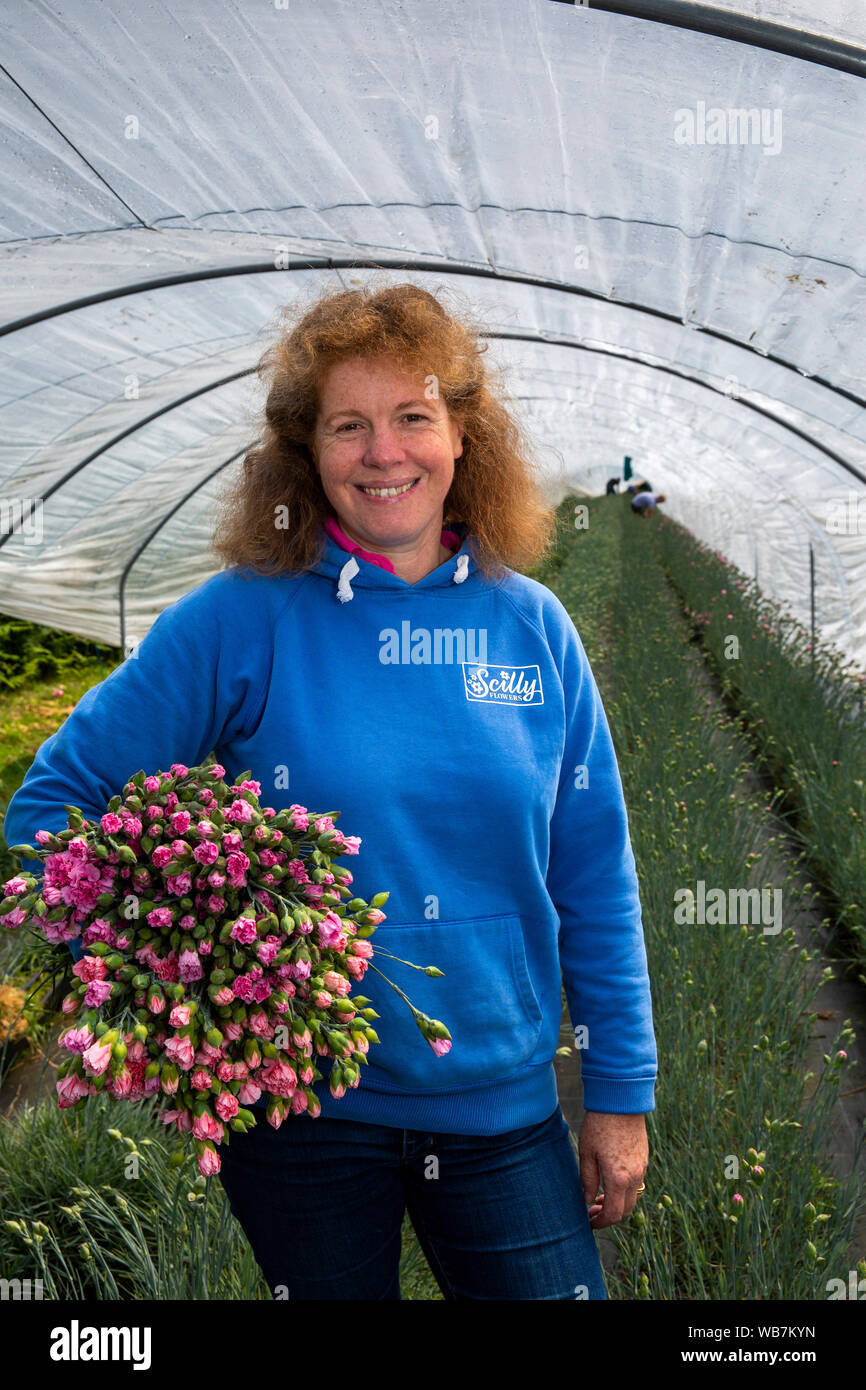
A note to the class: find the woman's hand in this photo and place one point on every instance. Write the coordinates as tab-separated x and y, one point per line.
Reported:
614	1152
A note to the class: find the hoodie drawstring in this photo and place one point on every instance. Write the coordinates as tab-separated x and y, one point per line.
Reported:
350	569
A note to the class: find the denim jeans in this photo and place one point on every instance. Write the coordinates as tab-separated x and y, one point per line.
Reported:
322	1203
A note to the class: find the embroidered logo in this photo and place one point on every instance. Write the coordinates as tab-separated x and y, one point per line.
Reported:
503	685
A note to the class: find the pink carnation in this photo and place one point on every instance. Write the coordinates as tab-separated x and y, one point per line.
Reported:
206	1127
97	1057
181	1052
190	966
244	931
78	1039
160	917
226	1105
70	1090
96	993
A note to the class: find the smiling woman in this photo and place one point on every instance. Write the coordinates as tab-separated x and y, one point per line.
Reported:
385	457
356	679
374	387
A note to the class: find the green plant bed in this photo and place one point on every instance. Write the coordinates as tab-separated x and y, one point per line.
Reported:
731	1002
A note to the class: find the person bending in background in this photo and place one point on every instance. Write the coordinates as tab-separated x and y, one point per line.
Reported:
645	502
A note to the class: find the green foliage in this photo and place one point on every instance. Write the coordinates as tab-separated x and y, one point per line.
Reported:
28	652
802	711
730	1003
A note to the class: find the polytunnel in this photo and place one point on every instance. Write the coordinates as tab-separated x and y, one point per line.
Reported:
656	208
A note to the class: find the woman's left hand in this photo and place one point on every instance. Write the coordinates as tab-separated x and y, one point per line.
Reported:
614	1152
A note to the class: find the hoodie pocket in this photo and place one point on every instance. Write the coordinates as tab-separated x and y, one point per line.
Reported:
485	999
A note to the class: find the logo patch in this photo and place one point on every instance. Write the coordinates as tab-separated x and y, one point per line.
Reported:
503	685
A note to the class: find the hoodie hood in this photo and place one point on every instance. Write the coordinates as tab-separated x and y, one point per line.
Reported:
349	572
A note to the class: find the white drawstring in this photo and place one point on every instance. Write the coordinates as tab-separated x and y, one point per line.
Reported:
350	569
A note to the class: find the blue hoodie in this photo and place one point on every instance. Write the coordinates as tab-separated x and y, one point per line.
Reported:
457	727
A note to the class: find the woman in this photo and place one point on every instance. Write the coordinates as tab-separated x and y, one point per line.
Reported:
371	648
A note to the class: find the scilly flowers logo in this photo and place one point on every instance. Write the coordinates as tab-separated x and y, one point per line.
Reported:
509	685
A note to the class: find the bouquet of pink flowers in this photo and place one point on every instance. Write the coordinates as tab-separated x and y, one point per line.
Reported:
219	953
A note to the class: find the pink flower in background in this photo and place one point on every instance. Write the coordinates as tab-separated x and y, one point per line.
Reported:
298	818
111	823
206	852
440	1045
161	856
14	887
180	822
240	811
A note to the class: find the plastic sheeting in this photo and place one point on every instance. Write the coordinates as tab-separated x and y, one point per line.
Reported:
662	230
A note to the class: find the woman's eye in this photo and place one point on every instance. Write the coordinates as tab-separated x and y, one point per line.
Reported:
414	417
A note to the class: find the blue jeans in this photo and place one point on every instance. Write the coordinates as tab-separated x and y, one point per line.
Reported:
322	1203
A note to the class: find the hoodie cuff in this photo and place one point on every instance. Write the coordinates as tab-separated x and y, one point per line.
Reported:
610	1096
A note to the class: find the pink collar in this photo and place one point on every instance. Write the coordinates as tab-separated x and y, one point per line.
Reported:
450	540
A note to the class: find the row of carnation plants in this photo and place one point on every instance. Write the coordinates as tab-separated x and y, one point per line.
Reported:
219	955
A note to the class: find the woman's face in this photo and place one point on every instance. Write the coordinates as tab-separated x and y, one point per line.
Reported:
376	429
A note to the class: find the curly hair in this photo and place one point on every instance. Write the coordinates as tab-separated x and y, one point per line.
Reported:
496	489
